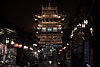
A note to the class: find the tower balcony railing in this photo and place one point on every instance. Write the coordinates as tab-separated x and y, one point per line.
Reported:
49	42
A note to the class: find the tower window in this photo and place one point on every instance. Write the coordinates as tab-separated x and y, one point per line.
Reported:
43	29
49	29
54	29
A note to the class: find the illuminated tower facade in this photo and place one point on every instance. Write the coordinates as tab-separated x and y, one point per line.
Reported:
49	27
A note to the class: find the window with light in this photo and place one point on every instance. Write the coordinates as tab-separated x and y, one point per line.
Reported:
49	29
55	29
43	29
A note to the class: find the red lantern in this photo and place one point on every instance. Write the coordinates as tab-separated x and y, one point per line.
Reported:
16	45
60	50
20	45
59	53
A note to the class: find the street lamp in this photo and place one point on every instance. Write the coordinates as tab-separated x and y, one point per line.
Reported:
50	62
67	44
7	40
12	42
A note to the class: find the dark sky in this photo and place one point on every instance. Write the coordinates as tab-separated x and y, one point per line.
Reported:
19	12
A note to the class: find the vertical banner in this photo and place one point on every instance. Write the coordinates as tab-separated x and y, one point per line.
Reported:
0	48
86	51
6	49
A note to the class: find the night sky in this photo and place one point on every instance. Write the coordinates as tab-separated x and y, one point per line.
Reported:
19	12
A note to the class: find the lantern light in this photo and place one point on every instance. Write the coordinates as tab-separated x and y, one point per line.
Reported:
58	62
59	53
12	42
37	32
31	48
86	22
20	45
50	62
64	47
67	43
83	25
35	53
75	28
7	41
59	16
16	45
25	47
60	50
38	51
61	31
34	44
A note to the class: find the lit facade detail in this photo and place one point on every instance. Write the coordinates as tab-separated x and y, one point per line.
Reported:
49	26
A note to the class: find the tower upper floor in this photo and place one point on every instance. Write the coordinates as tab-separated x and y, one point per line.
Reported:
49	14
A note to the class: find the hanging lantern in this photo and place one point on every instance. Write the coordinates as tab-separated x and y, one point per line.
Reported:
16	45
20	45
